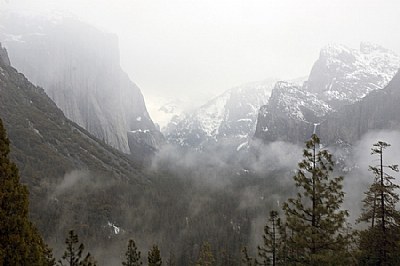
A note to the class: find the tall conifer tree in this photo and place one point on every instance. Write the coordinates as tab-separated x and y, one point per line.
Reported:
20	242
379	243
74	251
132	255
268	252
315	223
246	259
206	257
154	256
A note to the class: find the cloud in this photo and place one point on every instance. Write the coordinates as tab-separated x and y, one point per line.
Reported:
70	180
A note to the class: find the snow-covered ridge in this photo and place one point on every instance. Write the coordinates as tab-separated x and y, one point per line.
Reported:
293	100
212	114
345	74
340	76
231	114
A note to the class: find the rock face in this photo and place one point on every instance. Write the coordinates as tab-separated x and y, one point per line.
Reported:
44	142
290	113
4	56
231	116
340	77
378	110
78	66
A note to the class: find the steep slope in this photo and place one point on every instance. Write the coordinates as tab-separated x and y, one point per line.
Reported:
230	116
341	76
78	182
289	113
70	173
41	135
78	67
378	110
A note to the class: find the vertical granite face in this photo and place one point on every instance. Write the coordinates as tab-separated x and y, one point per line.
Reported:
377	111
79	68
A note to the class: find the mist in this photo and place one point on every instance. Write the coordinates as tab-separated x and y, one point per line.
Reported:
259	180
89	141
197	50
359	178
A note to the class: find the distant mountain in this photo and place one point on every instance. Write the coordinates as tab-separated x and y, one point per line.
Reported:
341	76
41	134
76	181
231	116
53	153
377	111
290	113
169	110
78	66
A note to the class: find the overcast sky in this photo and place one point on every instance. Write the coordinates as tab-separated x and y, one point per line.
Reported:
199	48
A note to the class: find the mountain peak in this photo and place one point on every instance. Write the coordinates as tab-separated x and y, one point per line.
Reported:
343	75
230	116
334	50
367	48
4	56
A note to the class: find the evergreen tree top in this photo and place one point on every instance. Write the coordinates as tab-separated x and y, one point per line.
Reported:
4	142
20	242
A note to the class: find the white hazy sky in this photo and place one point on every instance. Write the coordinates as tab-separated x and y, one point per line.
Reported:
199	48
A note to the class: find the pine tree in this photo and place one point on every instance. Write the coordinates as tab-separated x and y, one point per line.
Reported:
132	255
206	257
314	220
268	252
246	259
49	259
379	244
73	254
20	242
154	256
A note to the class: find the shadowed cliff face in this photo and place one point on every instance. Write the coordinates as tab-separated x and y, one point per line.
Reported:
340	77
379	110
78	66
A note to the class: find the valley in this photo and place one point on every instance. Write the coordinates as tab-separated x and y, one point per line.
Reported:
209	185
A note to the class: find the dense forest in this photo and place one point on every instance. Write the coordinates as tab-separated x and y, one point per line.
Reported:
311	228
199	133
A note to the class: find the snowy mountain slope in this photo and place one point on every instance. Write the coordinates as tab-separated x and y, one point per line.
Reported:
340	76
290	111
233	115
78	66
297	103
343	75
